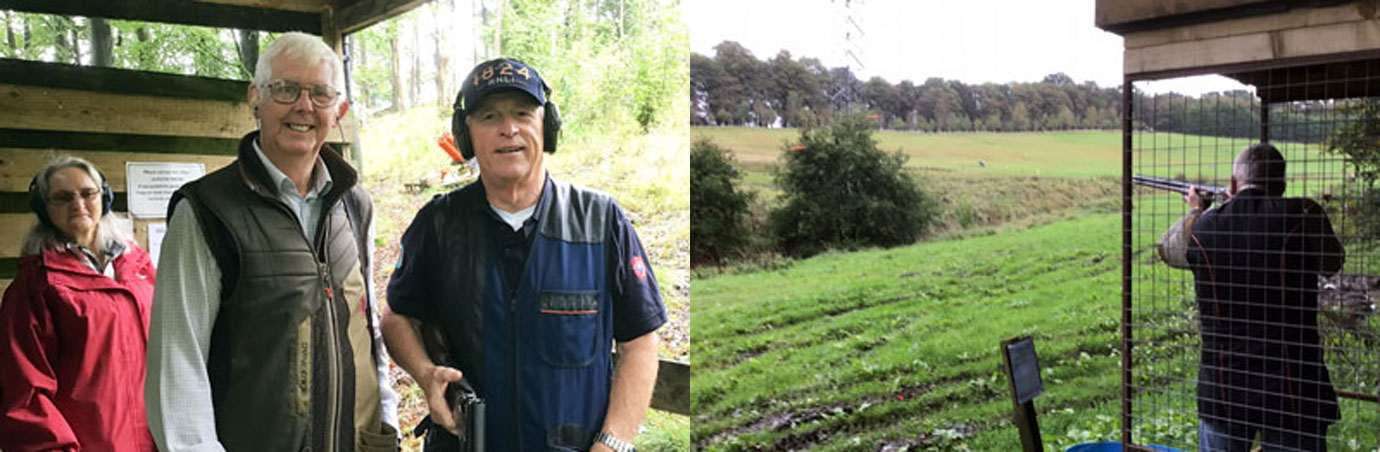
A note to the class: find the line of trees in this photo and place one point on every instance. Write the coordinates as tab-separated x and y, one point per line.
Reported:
735	88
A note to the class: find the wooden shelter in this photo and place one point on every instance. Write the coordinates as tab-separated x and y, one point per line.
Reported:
114	116
1302	58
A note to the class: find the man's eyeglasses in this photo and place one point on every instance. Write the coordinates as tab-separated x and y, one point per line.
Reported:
287	92
66	197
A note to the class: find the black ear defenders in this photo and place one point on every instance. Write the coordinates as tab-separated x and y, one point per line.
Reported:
550	127
39	204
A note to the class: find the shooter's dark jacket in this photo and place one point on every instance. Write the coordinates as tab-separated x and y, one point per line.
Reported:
1256	261
291	363
538	353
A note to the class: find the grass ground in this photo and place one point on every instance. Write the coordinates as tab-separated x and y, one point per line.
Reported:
897	349
647	173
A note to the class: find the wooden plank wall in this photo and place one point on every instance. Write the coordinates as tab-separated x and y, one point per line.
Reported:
110	117
1293	35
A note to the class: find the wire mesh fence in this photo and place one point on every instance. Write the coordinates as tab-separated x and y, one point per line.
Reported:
1272	309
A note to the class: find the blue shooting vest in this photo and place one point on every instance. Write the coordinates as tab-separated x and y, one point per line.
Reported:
540	353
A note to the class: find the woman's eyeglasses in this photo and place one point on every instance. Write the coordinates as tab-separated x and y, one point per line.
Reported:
66	197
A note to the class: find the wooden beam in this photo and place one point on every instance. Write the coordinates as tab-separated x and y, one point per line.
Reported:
1125	16
672	392
305	6
1299	18
8	267
54	109
18	166
120	81
363	13
185	12
116	142
18	203
39	108
1261	48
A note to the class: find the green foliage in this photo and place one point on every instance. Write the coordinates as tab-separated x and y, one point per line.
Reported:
373	65
1357	138
178	49
718	208
841	191
615	65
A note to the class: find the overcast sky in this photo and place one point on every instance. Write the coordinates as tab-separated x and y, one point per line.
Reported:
974	41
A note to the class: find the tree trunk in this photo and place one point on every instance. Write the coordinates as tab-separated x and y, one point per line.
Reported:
249	51
396	74
102	47
360	47
61	47
416	93
9	36
76	40
442	15
497	50
27	36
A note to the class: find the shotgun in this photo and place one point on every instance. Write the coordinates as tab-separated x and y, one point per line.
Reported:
1219	194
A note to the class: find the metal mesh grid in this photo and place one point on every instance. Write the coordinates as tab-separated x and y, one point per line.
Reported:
1257	346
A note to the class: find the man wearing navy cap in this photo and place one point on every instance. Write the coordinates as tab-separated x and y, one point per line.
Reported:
531	282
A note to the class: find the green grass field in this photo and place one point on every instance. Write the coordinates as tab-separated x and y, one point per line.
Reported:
898	348
1050	154
853	351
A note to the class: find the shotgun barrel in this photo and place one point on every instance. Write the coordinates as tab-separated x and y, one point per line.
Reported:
1218	193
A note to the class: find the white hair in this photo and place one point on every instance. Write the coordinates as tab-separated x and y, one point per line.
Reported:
301	47
43	235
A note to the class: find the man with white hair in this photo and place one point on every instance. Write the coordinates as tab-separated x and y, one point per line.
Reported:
1256	260
263	334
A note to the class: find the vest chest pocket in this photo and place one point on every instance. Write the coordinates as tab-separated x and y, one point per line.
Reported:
568	328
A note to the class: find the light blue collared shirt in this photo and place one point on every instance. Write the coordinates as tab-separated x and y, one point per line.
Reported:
308	208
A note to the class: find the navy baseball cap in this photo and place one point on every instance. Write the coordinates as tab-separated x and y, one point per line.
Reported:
500	74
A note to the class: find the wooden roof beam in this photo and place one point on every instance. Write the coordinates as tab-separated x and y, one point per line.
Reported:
184	12
360	14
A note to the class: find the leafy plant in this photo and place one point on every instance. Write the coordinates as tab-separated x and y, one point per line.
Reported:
718	208
841	191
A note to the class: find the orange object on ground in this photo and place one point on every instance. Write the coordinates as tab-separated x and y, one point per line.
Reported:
447	143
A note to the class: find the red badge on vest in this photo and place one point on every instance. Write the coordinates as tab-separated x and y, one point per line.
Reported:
639	268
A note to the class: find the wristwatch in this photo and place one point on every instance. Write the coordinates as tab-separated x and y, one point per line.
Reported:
614	443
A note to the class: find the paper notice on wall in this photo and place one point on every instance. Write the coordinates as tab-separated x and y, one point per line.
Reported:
151	185
123	222
156	233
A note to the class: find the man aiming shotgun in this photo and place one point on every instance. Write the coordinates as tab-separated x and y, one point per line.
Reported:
1256	259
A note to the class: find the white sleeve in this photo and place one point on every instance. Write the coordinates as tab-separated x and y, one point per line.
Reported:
387	397
186	299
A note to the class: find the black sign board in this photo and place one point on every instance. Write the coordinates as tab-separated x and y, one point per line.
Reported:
1024	370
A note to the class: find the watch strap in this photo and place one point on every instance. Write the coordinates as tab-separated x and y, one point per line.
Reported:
618	445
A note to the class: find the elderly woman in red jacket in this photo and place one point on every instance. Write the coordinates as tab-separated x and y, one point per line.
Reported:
74	323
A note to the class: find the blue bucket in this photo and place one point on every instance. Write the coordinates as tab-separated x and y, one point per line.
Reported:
1112	447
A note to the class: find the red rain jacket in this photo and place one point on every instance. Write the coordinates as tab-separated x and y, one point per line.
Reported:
72	348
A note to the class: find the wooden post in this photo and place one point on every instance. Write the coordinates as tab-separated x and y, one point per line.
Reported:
1023	377
330	32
